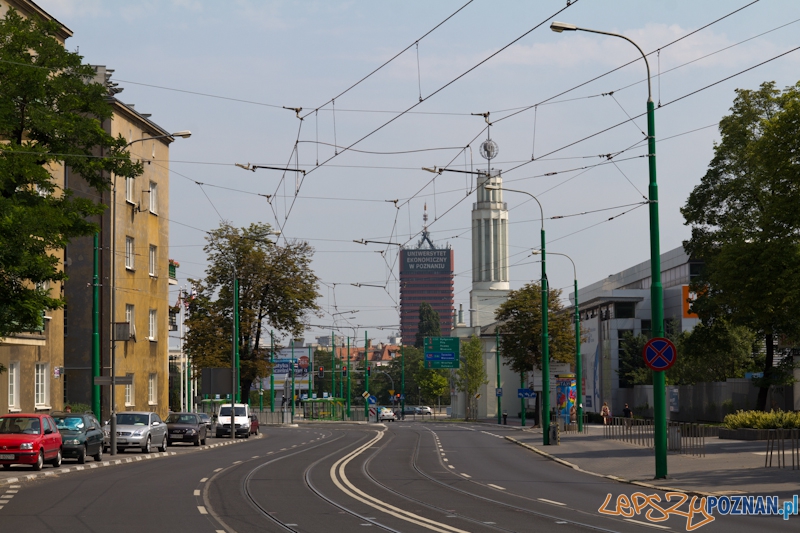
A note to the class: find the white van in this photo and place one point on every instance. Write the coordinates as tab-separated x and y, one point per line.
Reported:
241	420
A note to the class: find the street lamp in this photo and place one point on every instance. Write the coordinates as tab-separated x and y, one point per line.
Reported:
183	134
578	361
656	290
545	329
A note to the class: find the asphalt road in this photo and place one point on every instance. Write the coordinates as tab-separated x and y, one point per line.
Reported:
409	477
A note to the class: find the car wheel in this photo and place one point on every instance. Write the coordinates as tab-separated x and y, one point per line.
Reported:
99	455
40	462
57	461
82	456
164	444
146	446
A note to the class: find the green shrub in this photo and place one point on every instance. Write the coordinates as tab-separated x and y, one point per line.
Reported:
762	420
79	407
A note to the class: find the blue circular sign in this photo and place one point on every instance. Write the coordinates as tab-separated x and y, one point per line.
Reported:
659	354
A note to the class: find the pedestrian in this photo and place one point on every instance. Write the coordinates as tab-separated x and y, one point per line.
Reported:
573	414
606	412
68	409
628	414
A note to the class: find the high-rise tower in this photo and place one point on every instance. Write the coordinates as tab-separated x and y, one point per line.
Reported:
426	275
490	281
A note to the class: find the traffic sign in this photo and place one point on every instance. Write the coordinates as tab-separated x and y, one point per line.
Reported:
442	352
365	395
372	400
498	391
525	393
391	392
659	354
302	361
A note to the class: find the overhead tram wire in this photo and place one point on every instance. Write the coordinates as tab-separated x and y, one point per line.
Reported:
441	88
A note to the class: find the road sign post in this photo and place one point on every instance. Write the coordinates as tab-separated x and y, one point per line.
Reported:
442	352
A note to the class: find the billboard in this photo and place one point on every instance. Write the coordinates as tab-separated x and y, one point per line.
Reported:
426	261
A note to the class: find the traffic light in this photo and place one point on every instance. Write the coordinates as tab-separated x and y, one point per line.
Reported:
321	373
344	371
369	371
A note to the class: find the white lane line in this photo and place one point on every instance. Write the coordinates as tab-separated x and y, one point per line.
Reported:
236	462
1	506
498	487
218	470
197	492
202	509
3	502
15	486
203	480
254	457
446	460
550	501
466	476
12	491
645	523
450	466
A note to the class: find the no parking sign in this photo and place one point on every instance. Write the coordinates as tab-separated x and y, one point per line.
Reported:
659	354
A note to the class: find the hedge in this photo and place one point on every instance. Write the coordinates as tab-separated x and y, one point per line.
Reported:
762	420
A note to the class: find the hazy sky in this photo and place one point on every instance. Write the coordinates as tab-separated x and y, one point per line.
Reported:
302	54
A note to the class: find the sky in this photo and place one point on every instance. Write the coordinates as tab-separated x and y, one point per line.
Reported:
552	123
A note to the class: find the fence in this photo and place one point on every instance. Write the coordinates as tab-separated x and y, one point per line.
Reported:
682	437
565	426
776	442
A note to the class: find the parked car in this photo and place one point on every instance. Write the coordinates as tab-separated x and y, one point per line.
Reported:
29	439
81	436
386	414
254	425
186	427
140	429
206	420
423	410
241	420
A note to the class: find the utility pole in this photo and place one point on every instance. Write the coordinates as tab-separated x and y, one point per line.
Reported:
292	381
497	364
237	381
272	371
333	364
402	379
96	328
366	376
349	370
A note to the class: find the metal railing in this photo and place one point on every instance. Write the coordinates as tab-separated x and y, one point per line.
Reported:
569	425
776	447
682	437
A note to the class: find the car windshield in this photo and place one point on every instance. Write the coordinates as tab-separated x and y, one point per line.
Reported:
130	419
226	411
203	417
20	425
69	423
175	418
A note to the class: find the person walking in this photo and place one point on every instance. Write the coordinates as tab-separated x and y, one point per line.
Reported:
606	412
628	414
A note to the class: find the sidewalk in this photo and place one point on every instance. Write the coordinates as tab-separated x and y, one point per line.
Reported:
728	467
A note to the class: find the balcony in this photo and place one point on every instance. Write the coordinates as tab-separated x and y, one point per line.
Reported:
173	272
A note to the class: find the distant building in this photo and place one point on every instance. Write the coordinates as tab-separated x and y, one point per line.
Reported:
426	275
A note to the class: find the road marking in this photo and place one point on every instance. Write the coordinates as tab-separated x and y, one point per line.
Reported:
466	476
12	491
550	501
254	457
351	490
15	486
445	460
498	487
645	523
236	462
450	466
218	470
202	509
3	502
203	480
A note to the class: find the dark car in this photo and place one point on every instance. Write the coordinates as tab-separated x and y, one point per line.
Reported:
253	425
81	436
186	427
206	420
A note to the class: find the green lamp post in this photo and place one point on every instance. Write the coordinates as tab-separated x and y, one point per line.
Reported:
656	289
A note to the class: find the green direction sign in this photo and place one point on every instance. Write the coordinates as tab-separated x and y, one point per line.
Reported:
442	352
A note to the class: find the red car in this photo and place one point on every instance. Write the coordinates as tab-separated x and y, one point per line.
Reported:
29	440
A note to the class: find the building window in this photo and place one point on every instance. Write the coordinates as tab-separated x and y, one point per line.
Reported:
65	388
65	320
41	385
153	324
13	385
129	253
130	318
153	255
152	397
624	309
129	399
130	183
153	197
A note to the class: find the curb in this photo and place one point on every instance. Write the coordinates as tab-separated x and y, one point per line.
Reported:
611	477
113	462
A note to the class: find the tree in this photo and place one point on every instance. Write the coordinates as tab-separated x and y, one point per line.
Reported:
471	374
714	352
433	382
745	221
428	324
51	113
521	329
276	287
